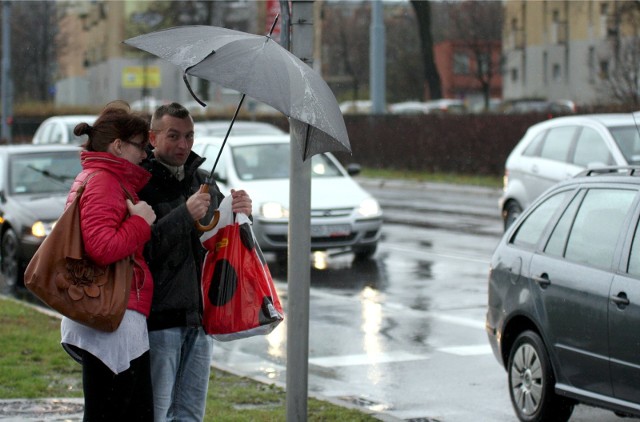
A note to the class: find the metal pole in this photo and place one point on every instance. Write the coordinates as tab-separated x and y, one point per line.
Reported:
6	86
299	244
377	58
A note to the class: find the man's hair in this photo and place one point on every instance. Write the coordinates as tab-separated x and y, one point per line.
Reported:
174	110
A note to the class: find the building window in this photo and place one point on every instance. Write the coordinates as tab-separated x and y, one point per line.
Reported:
484	63
604	69
514	74
591	63
545	67
557	73
460	64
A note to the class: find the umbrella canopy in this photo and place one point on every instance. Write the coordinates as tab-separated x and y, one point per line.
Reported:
259	67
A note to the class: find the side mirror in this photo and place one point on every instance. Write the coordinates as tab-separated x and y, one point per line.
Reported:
219	178
354	169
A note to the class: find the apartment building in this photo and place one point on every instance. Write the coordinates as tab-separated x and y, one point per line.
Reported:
567	49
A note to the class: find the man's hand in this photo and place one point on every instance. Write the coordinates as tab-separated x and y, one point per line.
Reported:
198	204
240	202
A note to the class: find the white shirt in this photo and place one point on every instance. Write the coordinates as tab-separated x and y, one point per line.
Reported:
117	349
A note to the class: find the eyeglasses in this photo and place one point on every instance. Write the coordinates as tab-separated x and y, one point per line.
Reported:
142	147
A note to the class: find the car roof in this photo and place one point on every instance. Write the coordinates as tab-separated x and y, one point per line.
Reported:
244	140
74	117
609	120
28	148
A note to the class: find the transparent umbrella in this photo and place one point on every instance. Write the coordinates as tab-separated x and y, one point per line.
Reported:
259	67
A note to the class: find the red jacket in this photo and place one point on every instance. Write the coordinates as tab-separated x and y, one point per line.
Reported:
109	233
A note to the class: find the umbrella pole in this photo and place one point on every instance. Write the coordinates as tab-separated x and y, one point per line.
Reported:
210	179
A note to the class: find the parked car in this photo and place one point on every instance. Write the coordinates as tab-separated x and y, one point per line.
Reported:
240	127
560	148
445	106
536	105
564	298
34	183
343	215
59	130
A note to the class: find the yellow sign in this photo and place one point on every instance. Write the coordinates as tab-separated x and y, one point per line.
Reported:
134	77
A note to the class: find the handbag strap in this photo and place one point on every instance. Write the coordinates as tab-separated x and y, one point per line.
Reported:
86	180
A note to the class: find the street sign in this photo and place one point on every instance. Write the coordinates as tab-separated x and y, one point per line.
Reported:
135	76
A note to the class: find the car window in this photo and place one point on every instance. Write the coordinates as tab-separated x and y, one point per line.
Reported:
271	161
56	135
75	140
43	173
628	140
45	133
533	149
634	258
557	143
591	149
558	239
529	232
597	226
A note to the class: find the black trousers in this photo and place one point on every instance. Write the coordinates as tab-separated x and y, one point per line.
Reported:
108	397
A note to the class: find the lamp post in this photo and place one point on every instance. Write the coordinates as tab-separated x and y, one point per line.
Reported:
6	87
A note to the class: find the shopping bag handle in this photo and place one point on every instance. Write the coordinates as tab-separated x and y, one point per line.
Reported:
204	188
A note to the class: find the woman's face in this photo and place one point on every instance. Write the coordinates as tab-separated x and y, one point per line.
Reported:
134	149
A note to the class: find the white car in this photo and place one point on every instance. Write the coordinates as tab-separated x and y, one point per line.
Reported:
560	148
59	130
240	127
343	215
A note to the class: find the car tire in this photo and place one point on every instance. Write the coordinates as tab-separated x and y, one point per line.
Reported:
511	212
532	382
11	267
364	253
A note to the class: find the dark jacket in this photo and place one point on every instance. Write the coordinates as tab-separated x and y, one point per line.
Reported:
175	254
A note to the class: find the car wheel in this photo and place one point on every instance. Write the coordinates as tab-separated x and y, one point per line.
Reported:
531	382
364	253
511	212
10	264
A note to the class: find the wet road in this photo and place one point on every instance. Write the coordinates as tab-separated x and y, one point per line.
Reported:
403	335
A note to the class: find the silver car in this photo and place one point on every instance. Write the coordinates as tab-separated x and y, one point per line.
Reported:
560	148
59	130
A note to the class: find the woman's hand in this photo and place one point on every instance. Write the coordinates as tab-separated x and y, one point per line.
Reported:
142	209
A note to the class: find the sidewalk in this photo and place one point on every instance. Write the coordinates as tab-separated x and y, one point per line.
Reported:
49	410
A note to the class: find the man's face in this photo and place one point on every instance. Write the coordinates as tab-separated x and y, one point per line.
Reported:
172	139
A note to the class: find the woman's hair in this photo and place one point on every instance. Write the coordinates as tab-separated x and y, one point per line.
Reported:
115	122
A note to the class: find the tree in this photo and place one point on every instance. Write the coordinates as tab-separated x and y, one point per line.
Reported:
477	27
431	75
33	50
620	73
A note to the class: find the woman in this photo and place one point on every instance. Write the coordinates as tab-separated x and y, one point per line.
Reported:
115	366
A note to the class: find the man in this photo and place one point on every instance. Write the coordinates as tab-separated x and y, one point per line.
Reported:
180	350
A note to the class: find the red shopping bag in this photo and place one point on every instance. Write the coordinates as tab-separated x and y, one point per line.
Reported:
240	299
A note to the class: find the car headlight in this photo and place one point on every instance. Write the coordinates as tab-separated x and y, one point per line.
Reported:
40	229
273	210
369	208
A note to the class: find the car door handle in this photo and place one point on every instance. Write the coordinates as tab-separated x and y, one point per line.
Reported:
542	280
621	300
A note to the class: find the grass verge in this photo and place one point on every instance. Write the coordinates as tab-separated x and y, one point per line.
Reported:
421	176
33	365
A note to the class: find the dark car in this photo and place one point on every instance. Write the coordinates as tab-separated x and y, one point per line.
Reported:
564	298
34	184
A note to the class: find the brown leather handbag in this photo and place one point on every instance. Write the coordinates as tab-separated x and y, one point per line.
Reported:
64	278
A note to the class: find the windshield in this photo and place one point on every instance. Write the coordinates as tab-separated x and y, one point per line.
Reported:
628	140
271	161
51	172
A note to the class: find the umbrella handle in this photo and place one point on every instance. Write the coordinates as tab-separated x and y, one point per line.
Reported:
216	214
